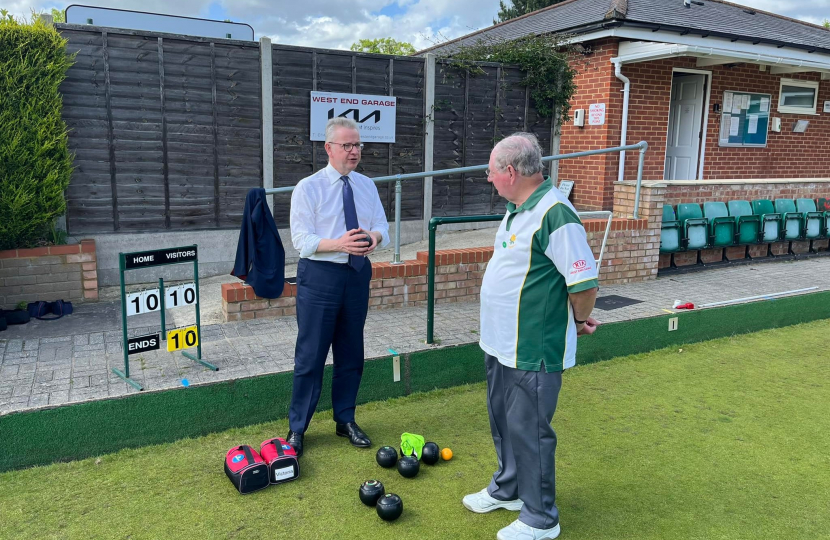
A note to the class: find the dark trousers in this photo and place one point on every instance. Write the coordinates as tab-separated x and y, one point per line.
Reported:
332	301
521	406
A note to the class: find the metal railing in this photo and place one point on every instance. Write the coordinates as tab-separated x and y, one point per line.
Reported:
436	221
642	146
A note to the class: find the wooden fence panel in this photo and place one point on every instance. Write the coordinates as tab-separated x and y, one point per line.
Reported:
166	129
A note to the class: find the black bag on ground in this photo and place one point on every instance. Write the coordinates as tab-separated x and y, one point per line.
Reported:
38	310
17	316
246	469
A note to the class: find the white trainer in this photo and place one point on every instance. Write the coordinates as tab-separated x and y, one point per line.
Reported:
520	531
482	502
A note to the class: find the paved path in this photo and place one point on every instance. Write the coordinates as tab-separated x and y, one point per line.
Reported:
48	363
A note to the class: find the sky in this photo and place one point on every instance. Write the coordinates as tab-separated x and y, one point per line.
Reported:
336	24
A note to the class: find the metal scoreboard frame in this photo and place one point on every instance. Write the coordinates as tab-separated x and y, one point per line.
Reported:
181	336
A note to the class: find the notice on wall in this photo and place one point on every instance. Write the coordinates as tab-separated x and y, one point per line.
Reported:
727	101
596	114
752	125
764	104
745	102
734	126
725	122
801	126
375	115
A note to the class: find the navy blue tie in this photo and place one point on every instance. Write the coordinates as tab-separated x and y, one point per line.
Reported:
355	261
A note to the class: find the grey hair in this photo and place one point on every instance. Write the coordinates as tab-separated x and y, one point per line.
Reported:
337	122
522	151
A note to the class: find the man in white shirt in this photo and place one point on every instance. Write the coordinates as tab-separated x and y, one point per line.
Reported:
536	298
337	220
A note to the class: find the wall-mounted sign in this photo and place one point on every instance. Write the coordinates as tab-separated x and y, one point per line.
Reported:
375	115
565	187
596	114
827	106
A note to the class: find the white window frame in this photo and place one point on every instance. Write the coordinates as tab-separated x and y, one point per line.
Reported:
803	84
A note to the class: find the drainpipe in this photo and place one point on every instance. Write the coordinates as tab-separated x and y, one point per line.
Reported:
627	85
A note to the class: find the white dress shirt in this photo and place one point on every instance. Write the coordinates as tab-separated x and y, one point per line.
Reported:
317	212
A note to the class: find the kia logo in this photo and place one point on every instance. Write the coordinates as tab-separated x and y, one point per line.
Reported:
355	114
579	265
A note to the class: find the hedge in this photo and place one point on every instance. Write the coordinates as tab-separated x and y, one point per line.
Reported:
35	162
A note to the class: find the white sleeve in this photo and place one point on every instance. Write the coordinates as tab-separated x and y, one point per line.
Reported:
303	234
569	250
379	222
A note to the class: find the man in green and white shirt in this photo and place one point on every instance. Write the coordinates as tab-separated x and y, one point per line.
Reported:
536	297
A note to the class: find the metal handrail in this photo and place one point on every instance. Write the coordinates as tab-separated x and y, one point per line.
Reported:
642	146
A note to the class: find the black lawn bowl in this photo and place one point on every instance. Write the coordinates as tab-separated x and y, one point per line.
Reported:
387	457
370	492
430	453
390	507
408	466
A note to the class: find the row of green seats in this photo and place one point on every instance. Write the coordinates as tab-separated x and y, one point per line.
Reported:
741	223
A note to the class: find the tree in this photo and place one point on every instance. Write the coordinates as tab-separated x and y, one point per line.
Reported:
826	24
520	7
58	16
384	46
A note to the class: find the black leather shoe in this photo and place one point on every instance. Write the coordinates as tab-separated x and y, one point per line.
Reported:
354	433
296	441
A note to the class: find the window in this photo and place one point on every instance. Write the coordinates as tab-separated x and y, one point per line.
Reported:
798	97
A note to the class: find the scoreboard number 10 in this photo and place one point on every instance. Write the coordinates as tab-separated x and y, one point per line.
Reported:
182	338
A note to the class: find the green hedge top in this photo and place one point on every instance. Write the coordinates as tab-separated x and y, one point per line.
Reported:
35	163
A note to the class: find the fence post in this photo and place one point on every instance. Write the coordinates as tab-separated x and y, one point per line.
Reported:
267	117
429	137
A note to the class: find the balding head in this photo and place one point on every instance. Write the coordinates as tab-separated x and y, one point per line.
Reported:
521	151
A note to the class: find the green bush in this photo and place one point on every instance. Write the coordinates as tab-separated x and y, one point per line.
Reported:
35	163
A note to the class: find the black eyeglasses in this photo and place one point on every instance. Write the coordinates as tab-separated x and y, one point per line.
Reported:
348	146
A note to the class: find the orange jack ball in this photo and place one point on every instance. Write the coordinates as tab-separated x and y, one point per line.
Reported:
446	454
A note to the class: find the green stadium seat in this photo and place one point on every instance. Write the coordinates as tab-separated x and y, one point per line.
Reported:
771	223
813	219
823	205
695	227
748	224
793	219
670	231
721	224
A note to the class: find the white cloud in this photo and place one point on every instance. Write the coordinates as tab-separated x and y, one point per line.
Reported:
319	23
337	24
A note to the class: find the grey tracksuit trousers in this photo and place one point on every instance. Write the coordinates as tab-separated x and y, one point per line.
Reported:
521	406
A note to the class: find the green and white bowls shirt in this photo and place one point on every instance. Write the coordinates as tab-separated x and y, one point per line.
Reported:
541	254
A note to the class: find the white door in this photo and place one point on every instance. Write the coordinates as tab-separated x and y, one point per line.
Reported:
685	118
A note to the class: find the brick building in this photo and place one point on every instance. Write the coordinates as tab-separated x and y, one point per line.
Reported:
726	96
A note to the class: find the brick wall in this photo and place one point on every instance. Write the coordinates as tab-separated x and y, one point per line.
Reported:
49	273
631	251
596	83
787	155
631	254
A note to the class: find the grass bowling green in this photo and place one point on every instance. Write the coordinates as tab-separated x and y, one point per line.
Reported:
718	439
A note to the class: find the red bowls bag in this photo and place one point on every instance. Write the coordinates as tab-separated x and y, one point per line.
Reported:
281	460
246	469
